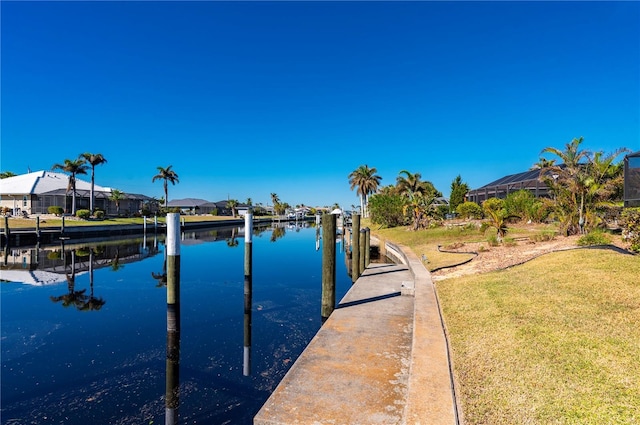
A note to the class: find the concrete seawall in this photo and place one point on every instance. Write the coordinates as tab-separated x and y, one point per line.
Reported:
380	358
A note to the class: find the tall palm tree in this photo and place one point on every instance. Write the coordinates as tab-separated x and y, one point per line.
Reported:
275	199
73	167
366	181
168	175
93	159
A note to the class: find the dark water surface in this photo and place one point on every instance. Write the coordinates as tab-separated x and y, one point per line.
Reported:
74	352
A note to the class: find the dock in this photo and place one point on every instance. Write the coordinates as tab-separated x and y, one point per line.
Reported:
380	358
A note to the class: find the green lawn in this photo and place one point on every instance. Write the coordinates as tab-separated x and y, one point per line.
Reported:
553	341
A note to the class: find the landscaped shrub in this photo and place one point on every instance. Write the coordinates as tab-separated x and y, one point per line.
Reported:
387	210
595	237
53	209
631	232
99	214
492	240
520	204
469	210
543	236
83	214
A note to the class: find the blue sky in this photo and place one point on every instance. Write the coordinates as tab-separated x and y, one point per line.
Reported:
249	98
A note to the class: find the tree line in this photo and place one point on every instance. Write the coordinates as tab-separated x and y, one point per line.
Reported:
583	186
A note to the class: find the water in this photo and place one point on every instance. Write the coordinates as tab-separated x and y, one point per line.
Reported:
74	352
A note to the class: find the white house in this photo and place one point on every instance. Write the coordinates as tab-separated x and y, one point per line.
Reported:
34	193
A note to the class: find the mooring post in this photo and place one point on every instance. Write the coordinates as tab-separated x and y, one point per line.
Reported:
367	247
155	223
328	265
172	399
62	225
355	247
363	238
248	290
7	231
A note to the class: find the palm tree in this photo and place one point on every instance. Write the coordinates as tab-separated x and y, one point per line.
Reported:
366	181
6	174
232	204
73	167
409	183
168	175
583	180
419	204
93	159
543	164
117	196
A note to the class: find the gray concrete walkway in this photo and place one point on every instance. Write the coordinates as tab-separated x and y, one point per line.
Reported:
361	366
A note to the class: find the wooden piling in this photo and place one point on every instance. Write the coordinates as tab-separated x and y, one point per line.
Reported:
172	396
363	237
328	265
355	247
248	291
38	228
367	247
7	233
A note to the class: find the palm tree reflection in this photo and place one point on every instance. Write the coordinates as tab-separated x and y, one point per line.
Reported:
73	297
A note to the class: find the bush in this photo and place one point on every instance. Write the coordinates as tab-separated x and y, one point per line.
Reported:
631	231
387	210
595	237
55	210
492	240
99	214
83	214
543	236
469	210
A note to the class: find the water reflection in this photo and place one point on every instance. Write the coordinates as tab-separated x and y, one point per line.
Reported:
121	366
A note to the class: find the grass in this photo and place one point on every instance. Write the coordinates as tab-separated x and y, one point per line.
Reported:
553	341
425	242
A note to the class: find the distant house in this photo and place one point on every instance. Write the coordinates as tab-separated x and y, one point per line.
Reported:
528	180
34	193
632	180
201	206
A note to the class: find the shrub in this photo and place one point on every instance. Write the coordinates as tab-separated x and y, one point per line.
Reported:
543	236
54	209
492	240
631	231
509	242
387	210
520	204
595	237
83	214
469	210
99	214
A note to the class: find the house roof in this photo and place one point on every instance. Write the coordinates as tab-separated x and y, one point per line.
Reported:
40	182
187	202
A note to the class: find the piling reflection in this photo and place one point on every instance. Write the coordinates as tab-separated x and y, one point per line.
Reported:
248	293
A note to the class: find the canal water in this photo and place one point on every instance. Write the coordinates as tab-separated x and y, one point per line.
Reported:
84	327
